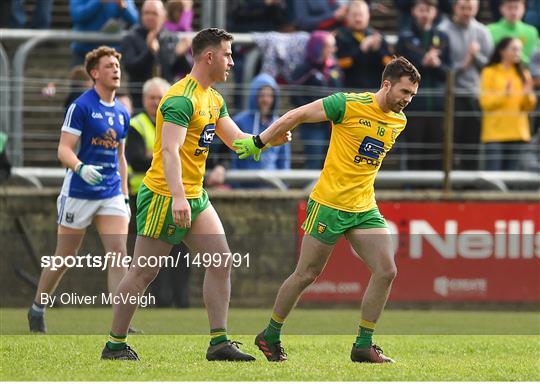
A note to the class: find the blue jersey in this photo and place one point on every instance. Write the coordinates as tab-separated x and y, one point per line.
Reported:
101	127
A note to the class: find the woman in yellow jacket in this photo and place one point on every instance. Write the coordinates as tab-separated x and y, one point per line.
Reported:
506	97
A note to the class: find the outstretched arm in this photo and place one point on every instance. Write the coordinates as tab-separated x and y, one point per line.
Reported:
309	113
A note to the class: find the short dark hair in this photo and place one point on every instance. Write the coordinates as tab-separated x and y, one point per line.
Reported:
399	67
431	3
91	59
209	37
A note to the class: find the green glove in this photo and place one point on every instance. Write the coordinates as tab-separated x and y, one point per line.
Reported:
247	147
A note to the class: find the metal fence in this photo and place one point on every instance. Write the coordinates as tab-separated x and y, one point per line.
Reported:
32	110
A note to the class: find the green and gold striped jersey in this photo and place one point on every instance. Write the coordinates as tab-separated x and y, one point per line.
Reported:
191	106
362	135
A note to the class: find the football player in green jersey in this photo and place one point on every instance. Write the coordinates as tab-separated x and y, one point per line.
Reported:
364	128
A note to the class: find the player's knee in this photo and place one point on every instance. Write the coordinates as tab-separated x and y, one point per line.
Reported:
388	273
307	276
144	276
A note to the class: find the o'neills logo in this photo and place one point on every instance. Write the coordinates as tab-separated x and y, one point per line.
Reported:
507	239
108	140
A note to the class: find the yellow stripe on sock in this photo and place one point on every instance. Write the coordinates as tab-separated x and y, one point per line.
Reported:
367	324
277	318
149	215
117	340
217	334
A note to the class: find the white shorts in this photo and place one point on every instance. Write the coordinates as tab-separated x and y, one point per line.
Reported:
79	213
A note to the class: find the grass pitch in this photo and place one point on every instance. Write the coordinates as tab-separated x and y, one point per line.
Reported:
444	350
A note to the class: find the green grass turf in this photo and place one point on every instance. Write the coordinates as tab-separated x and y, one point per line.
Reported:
322	357
96	321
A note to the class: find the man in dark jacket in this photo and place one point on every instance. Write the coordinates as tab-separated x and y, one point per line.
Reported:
362	51
149	50
427	48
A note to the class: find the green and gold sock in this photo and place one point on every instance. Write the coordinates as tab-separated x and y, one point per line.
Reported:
272	333
218	335
116	342
365	334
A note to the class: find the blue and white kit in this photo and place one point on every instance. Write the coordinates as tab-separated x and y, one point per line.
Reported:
102	127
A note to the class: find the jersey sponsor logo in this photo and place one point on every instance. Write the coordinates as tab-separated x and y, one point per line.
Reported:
200	151
97	115
371	148
108	140
207	135
369	152
367	123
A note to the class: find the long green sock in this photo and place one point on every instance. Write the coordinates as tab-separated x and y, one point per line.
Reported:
218	335
365	334
272	333
116	342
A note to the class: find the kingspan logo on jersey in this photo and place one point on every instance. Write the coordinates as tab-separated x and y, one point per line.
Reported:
108	140
207	135
369	152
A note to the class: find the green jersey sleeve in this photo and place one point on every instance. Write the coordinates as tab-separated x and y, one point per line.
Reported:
177	110
223	112
334	107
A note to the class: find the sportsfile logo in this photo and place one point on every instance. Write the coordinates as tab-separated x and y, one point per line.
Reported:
369	152
445	286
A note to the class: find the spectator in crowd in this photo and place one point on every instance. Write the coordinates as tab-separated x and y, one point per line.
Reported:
170	287
511	25
41	17
534	67
259	16
506	97
140	139
149	50
179	16
318	70
362	51
405	18
316	15
262	111
428	49
99	16
79	82
470	49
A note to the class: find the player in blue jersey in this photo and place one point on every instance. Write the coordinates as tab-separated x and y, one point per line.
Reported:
95	186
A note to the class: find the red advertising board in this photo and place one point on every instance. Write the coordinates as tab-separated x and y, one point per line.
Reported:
446	251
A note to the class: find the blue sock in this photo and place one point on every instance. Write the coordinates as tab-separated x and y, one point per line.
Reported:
37	309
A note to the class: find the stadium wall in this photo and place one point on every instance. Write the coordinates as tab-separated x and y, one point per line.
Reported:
261	223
